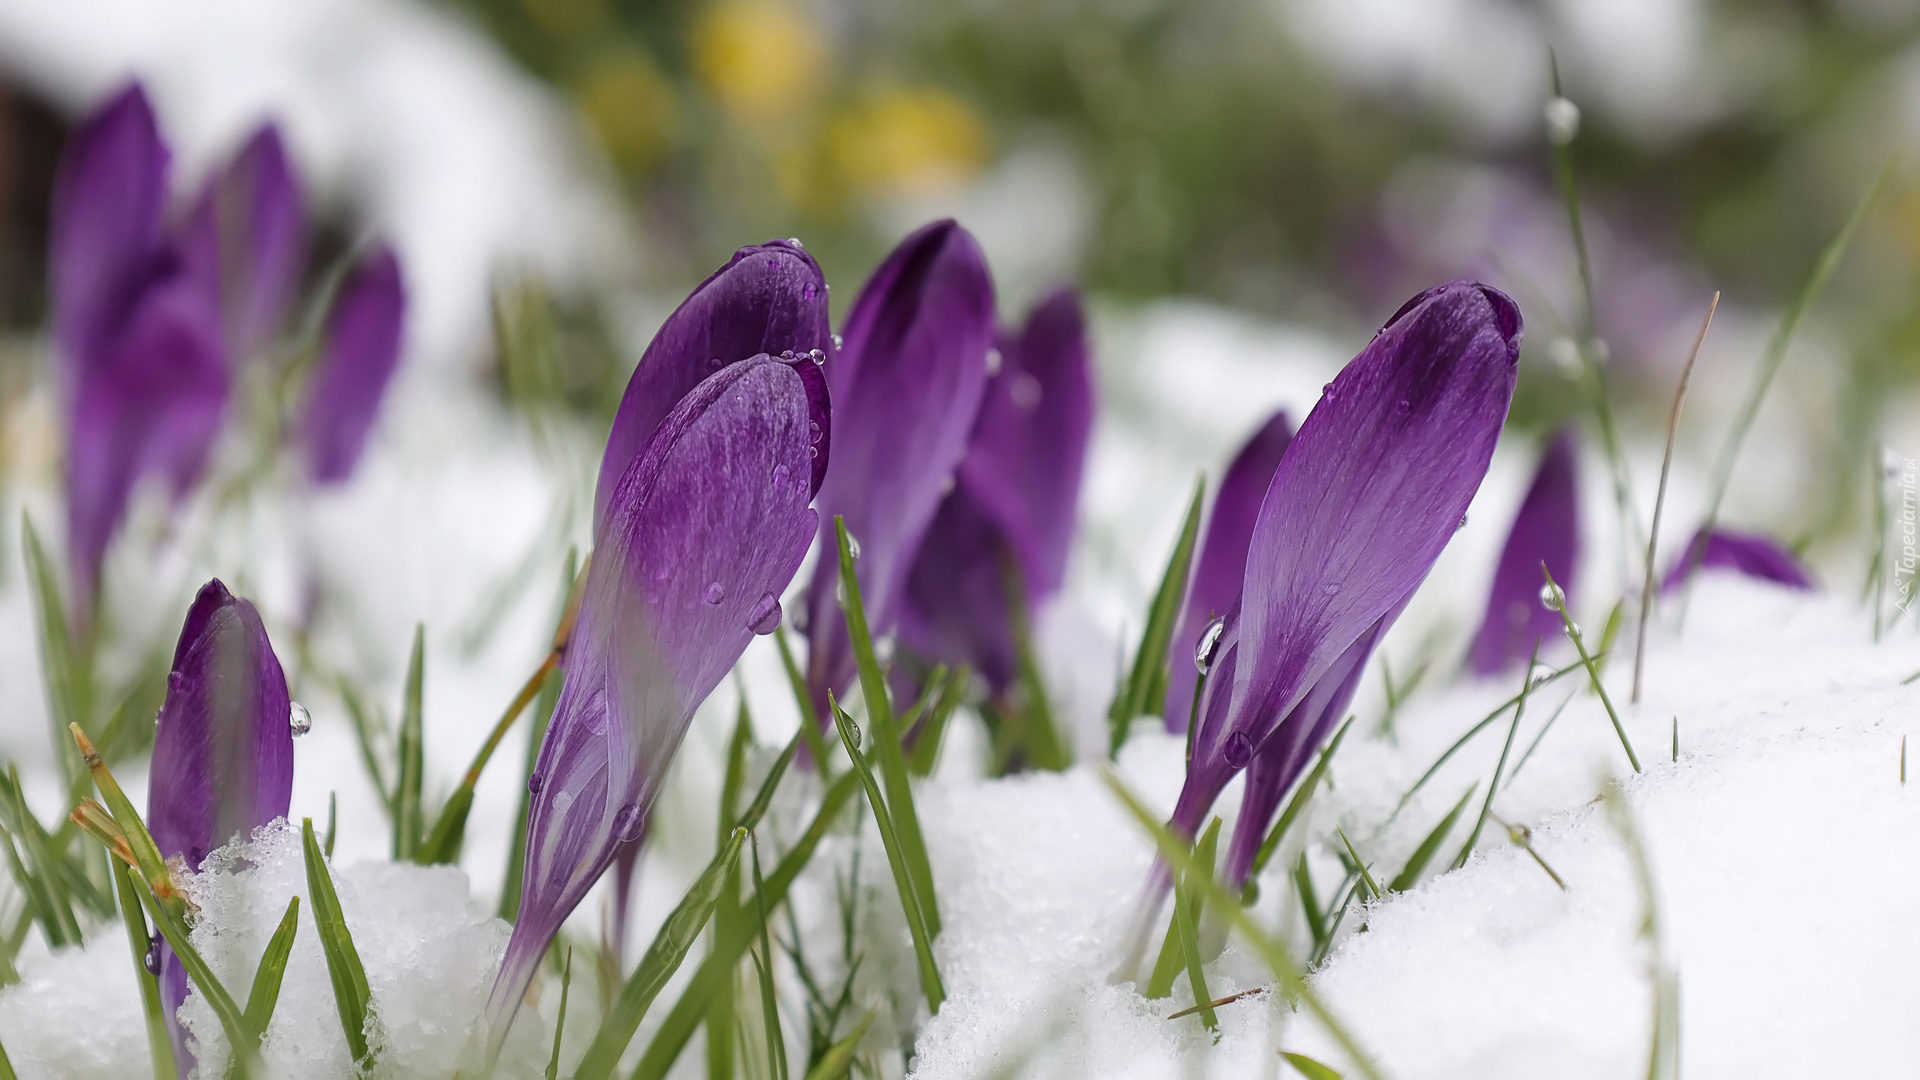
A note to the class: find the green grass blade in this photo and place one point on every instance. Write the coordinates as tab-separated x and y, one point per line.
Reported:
333	821
926	751
886	741
809	717
1046	749
560	1022
1301	796
837	1062
233	1022
265	995
517	846
6	1066
663	958
407	818
1610	633
159	1046
1167	966
930	983
1189	901
735	776
1484	723
686	1014
763	968
1359	866
1136	696
350	993
60	667
1308	1067
42	883
1310	903
1422	855
145	852
1519	711
1593	671
368	731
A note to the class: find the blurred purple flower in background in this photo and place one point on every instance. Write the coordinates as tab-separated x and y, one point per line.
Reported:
141	364
1014	498
1546	530
702	533
906	388
1222	565
1364	500
1750	554
358	352
222	753
245	240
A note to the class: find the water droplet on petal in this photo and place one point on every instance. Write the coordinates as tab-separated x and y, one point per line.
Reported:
1462	525
1209	642
1239	750
299	719
1327	392
794	241
813	451
534	783
807	291
839	342
1404	405
814	432
1331	588
994	360
626	824
818	356
715	594
151	961
1025	391
789	355
782	476
1551	597
765	616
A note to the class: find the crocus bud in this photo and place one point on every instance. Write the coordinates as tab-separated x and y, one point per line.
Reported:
358	353
140	360
1365	498
1750	554
245	240
906	390
1013	499
767	299
1546	530
222	752
703	532
1217	574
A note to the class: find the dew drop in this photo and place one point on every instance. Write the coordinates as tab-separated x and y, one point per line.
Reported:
818	356
1209	643
1462	525
853	729
1404	405
1327	392
1331	588
794	241
715	594
1563	121
994	360
765	616
299	719
853	545
807	291
1551	597
151	961
839	342
1573	628
813	451
1025	391
1239	750
789	355
782	476
814	432
1565	356
626	824
534	783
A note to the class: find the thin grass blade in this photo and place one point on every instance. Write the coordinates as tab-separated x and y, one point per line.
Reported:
1188	904
350	992
1422	855
159	1046
267	978
1301	796
837	1062
407	820
233	1022
1137	693
763	967
560	1022
926	750
1308	1067
60	669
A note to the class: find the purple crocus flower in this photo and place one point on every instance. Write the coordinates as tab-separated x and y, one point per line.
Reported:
142	368
1546	530
906	389
1364	500
1222	565
222	753
245	240
1013	499
358	353
702	533
768	299
1751	554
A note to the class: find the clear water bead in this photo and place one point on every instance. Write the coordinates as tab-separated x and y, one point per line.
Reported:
1565	356
818	356
1239	750
1209	643
715	593
1025	391
534	783
1563	121
1462	525
853	545
839	342
1552	598
299	719
151	961
765	615
1331	588
626	824
1573	629
794	241
994	360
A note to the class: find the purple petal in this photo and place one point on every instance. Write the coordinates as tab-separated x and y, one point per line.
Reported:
222	751
703	533
767	299
109	199
906	389
1223	558
1751	554
357	356
246	240
151	403
1364	500
1014	498
1547	529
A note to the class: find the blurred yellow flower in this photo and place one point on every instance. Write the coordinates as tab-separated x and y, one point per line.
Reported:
566	18
761	58
630	105
908	140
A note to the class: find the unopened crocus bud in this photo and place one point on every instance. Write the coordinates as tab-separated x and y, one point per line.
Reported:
1750	554
1546	530
222	752
906	390
702	533
358	353
245	240
1013	500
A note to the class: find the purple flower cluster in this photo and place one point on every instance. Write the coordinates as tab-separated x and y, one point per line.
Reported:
154	315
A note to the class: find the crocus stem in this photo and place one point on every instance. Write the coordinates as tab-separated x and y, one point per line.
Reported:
1660	501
